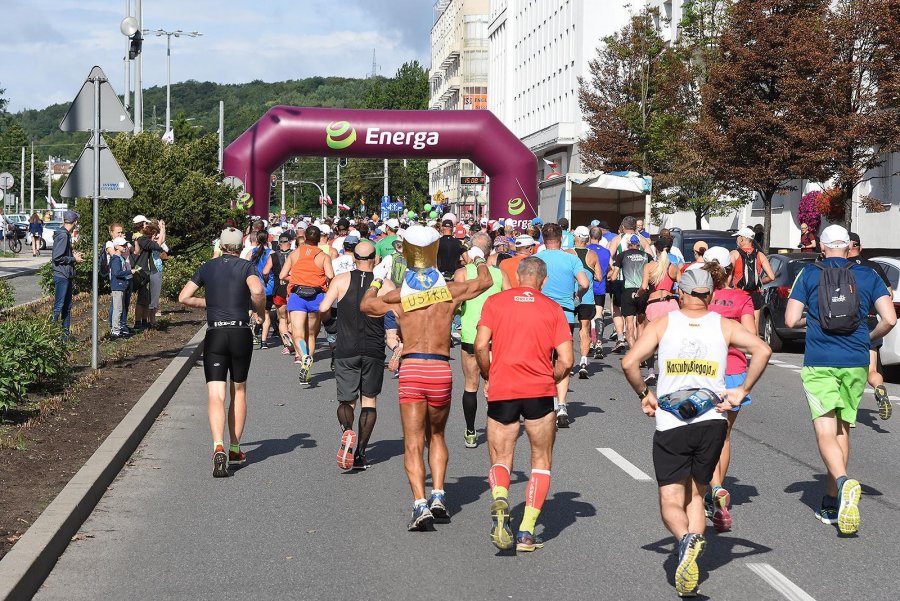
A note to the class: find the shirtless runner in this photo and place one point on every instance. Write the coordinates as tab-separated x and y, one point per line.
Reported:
424	305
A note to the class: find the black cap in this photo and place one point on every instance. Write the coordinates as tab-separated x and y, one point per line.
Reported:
855	238
343	223
603	224
447	223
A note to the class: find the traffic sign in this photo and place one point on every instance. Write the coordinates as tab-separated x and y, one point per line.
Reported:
81	180
113	116
6	181
385	200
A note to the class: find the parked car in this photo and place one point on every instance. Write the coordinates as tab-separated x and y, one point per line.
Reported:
772	328
685	240
47	238
890	350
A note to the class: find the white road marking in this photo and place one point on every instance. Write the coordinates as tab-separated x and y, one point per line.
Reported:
627	467
779	582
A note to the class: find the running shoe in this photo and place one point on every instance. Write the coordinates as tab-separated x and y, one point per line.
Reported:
297	360
437	503
613	337
237	458
827	515
471	438
562	416
501	533
360	462
305	367
421	519
884	403
650	379
721	518
345	452
848	511
220	462
285	350
263	344
598	352
286	340
687	574
528	542
708	506
257	335
583	372
620	348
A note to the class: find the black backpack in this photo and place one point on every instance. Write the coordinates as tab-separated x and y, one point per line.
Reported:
103	263
750	276
838	300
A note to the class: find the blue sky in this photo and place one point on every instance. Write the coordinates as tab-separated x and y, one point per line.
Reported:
48	47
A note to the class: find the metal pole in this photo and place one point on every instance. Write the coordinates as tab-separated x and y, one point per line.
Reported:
168	81
95	224
126	97
337	206
22	185
282	189
222	132
138	84
32	178
325	189
385	177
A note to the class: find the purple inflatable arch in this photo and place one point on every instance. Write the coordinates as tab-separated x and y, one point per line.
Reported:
284	132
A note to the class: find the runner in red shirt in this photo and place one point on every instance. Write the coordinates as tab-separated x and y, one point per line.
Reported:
519	331
732	303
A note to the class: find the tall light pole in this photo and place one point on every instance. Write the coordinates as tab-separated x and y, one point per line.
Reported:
177	33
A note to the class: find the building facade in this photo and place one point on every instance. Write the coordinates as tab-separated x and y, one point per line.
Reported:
458	80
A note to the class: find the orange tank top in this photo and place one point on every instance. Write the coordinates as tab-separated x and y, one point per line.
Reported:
305	272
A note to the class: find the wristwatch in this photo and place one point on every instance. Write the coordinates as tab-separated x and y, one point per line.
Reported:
644	393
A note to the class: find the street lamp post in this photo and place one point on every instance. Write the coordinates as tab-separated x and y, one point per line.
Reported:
177	33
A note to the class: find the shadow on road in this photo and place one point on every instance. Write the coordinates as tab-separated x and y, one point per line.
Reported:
465	490
740	493
579	409
867	417
277	446
560	511
720	551
812	491
379	451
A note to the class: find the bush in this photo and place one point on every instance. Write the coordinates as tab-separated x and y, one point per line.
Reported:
83	274
180	269
7	299
33	355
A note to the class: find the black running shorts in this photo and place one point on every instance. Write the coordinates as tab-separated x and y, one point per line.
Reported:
227	350
585	312
758	301
355	375
615	290
633	305
508	412
468	347
688	451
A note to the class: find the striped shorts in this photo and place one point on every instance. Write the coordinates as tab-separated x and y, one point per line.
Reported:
425	382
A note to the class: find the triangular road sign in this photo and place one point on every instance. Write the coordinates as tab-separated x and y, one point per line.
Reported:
81	180
113	116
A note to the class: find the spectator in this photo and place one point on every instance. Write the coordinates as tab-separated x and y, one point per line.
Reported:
144	248
116	230
119	283
64	260
36	229
808	242
156	278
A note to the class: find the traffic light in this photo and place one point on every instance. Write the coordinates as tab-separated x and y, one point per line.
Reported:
342	162
135	48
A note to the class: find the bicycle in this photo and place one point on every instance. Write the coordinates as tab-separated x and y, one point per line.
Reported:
13	237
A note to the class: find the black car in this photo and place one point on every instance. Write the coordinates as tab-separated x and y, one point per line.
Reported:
685	240
775	295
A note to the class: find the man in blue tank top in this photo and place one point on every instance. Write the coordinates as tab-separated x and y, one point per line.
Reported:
603	256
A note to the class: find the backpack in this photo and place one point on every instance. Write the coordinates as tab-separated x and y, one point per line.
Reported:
103	261
750	276
838	300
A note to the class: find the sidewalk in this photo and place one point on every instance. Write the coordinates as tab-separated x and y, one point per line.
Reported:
23	264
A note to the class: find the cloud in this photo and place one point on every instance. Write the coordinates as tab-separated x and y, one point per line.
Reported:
48	48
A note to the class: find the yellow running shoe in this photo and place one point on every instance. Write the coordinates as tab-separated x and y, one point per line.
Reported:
848	512
687	574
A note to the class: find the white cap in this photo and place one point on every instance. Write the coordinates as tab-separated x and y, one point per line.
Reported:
835	236
400	233
582	232
325	229
120	241
393	223
746	232
484	221
718	253
449	217
432	223
139	219
419	235
525	240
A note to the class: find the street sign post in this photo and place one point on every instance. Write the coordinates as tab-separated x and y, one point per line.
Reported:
96	108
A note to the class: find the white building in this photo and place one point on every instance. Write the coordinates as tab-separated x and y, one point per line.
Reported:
458	81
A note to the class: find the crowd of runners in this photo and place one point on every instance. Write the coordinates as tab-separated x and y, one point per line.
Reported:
395	297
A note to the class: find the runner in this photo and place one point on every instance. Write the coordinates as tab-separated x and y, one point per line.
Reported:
470	314
393	267
751	269
516	362
835	364
628	268
280	293
359	355
735	304
598	245
308	271
566	284
693	349
876	380
617	245
659	283
261	258
586	310
231	285
525	247
388	233
425	377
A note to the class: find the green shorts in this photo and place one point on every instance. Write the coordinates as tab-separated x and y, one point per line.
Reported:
837	389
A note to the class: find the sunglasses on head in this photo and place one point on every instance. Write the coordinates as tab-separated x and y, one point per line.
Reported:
364	258
700	295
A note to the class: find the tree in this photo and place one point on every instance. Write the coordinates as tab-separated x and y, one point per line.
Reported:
761	123
862	103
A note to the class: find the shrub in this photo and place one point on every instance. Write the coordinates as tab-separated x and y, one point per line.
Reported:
6	294
33	355
178	270
83	274
808	211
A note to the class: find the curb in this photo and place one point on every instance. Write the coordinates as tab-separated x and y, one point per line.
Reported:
24	569
21	272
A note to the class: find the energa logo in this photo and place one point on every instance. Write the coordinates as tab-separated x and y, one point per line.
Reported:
339	135
515	206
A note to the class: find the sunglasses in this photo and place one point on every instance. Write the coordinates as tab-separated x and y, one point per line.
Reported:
365	258
700	295
284	242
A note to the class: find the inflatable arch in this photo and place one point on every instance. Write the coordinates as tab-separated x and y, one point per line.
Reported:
284	132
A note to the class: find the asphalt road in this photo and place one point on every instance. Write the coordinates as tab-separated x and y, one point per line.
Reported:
290	525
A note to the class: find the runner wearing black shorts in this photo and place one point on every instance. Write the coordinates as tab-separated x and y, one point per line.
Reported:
232	286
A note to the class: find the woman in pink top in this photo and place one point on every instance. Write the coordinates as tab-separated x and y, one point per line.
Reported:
732	303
